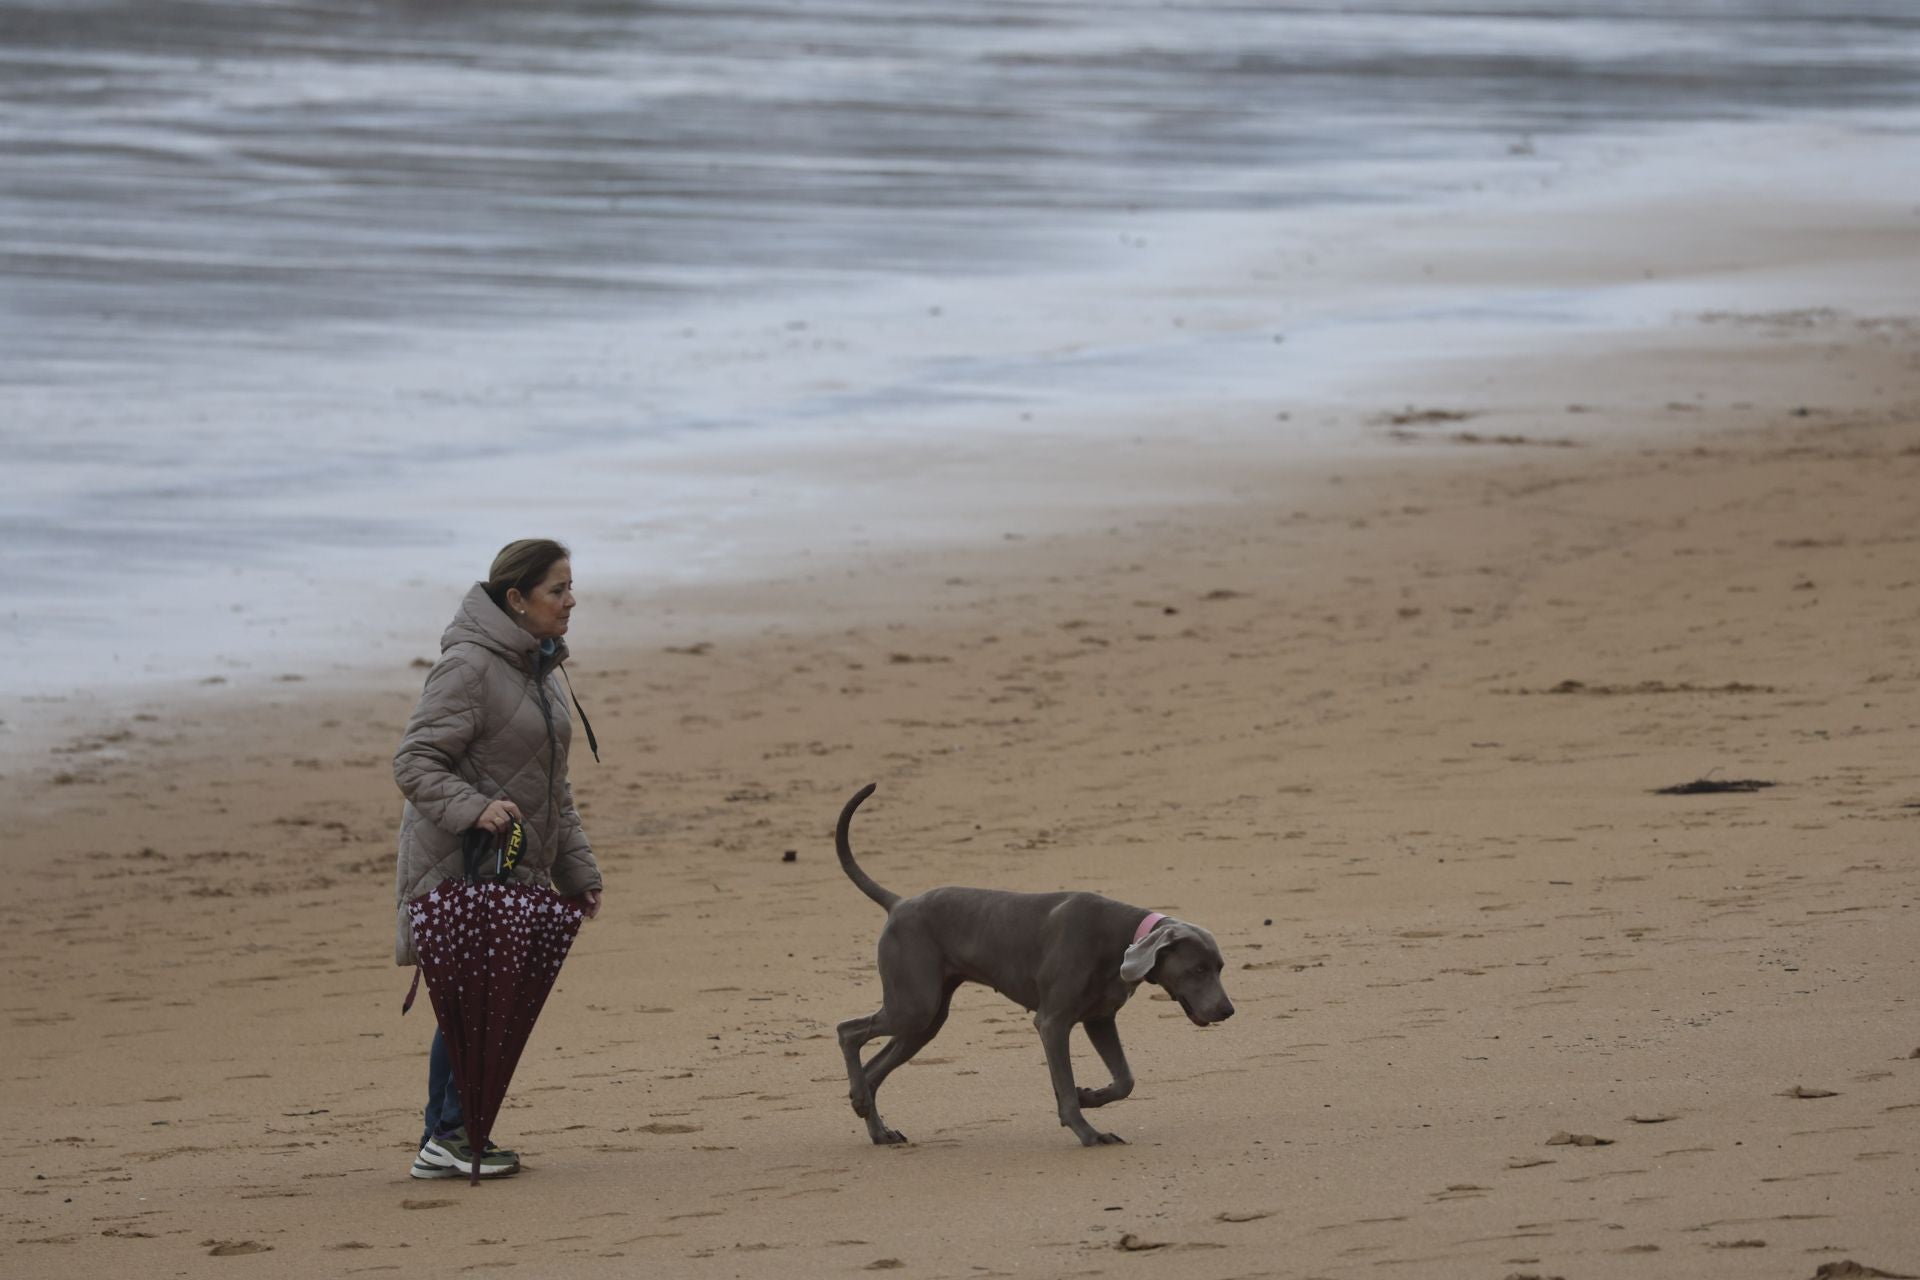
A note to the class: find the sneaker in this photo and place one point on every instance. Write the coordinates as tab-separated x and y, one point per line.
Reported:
451	1153
424	1168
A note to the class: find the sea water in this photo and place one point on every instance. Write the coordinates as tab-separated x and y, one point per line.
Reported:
305	308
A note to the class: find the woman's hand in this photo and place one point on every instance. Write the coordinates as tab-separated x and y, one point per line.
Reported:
590	903
498	816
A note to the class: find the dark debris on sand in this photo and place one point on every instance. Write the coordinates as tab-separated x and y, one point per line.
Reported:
1712	787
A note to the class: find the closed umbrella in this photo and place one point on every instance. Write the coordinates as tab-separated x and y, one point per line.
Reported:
490	950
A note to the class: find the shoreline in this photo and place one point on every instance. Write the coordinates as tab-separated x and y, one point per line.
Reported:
1796	365
1296	337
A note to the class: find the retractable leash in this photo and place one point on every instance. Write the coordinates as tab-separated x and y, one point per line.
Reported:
505	846
507	852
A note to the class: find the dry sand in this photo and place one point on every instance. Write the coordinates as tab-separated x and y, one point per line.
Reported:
1393	734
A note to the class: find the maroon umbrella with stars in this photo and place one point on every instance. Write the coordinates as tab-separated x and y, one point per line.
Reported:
490	951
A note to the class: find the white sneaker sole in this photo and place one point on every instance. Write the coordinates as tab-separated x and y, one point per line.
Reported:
435	1156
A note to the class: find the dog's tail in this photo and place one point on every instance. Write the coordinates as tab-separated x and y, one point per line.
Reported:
884	897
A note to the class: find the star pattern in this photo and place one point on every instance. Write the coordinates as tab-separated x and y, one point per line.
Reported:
490	952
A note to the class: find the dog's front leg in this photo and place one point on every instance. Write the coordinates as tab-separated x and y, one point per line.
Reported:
1106	1040
1054	1032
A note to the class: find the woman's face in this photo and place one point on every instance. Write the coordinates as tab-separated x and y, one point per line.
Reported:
543	611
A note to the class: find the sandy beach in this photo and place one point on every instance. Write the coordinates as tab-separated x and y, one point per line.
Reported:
1326	471
1392	729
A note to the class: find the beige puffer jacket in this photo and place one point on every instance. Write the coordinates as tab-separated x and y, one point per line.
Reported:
479	734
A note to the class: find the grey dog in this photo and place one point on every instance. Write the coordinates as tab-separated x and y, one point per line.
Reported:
1067	957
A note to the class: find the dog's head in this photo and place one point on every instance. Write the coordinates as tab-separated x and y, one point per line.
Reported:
1184	960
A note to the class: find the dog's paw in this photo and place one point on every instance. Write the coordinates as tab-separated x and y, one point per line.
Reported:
889	1138
1091	1098
1095	1138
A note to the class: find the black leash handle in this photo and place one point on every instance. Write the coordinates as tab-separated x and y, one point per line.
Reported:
505	848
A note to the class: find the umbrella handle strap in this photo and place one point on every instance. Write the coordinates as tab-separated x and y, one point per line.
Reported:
412	991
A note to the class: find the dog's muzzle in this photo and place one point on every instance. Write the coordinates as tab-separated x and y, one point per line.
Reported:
1217	1013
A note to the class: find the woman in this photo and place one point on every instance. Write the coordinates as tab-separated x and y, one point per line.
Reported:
488	744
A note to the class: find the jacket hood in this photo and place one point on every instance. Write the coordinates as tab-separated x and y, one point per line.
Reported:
480	621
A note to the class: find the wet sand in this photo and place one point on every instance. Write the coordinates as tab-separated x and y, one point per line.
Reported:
1392	731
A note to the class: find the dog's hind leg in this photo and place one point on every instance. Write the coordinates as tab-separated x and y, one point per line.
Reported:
911	1011
854	1034
901	1048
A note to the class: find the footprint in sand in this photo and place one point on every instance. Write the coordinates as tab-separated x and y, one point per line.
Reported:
1131	1243
1461	1191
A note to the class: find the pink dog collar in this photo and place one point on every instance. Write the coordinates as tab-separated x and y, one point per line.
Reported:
1146	926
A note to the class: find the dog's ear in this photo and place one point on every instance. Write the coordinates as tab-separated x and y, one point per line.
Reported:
1138	962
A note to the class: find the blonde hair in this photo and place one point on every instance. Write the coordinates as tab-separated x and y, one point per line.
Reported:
522	565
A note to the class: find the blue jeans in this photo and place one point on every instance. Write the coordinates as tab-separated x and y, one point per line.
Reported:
443	1096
